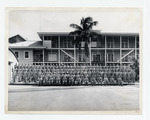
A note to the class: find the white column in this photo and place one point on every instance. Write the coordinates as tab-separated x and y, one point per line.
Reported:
120	49
43	50
43	40
59	49
105	49
43	56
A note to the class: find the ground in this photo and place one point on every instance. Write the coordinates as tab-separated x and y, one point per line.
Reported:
73	98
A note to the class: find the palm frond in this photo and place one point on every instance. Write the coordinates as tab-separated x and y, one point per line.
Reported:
77	27
76	32
88	20
82	21
94	33
92	24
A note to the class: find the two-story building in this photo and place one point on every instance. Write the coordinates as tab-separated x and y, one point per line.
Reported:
57	48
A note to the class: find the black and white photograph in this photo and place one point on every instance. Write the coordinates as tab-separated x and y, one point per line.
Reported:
74	60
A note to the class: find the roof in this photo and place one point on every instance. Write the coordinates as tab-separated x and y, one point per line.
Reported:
27	44
13	54
16	39
97	31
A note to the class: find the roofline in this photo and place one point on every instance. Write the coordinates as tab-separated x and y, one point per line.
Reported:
19	36
103	33
26	47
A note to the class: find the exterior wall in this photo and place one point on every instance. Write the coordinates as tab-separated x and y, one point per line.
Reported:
61	47
22	59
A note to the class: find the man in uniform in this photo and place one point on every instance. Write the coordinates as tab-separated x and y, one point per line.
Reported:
58	80
93	80
105	81
133	75
112	81
120	83
128	76
70	80
64	79
99	79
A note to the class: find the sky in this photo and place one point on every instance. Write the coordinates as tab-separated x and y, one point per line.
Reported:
28	22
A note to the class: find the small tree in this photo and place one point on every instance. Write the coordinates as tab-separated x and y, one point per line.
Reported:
135	66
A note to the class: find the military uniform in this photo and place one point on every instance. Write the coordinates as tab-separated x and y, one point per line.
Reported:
105	81
112	81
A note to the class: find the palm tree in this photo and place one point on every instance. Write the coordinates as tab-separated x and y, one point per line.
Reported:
84	33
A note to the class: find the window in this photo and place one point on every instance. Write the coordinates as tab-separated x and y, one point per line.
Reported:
38	58
94	44
99	43
26	54
67	58
67	41
125	59
82	57
125	42
17	54
110	42
110	57
97	57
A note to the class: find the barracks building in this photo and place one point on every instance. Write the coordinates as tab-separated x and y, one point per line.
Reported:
56	48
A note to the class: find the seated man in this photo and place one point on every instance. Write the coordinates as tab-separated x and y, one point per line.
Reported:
99	80
64	80
112	81
120	82
77	80
93	80
51	80
106	81
40	80
58	80
71	80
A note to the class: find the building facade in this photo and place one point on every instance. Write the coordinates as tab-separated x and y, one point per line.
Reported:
57	48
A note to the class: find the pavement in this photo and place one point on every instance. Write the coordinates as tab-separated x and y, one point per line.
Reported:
73	98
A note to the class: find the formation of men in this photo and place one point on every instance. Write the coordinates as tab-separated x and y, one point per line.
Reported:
73	75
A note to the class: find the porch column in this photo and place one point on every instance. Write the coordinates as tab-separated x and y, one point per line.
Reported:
105	50
120	49
59	49
43	40
43	56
